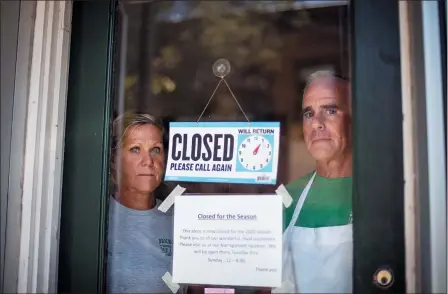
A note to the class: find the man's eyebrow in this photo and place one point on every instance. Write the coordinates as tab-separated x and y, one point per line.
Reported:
326	106
306	109
330	106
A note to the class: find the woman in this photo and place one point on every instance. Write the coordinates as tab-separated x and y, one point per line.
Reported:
140	235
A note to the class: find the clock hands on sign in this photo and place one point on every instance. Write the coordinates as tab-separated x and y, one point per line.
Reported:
256	149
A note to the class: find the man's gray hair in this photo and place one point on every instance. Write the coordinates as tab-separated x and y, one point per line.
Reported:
127	120
323	74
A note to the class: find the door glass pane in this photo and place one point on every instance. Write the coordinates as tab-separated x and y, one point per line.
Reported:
289	64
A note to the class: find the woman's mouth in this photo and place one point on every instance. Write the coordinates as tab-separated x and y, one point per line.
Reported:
320	139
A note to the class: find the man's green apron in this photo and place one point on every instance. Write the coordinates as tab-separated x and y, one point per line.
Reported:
318	249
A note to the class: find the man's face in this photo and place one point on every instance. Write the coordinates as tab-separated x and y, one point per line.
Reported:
326	119
142	159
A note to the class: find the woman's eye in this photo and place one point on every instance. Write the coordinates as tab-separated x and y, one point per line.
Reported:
135	149
156	149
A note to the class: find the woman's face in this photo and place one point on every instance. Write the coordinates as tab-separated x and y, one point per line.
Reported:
142	159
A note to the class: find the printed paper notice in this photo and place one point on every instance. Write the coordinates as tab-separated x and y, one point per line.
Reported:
230	240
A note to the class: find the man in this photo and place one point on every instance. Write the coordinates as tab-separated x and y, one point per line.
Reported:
318	234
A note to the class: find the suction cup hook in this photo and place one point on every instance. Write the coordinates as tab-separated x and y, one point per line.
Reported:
221	68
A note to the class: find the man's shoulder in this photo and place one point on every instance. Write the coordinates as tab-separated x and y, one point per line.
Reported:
299	184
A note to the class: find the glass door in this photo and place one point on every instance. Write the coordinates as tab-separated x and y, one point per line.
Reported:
155	59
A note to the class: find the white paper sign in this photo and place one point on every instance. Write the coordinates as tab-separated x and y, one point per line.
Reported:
229	240
223	152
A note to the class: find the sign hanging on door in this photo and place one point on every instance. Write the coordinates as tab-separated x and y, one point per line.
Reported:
223	152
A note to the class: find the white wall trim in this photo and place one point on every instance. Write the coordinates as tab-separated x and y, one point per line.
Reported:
43	154
15	188
424	152
436	146
409	153
446	141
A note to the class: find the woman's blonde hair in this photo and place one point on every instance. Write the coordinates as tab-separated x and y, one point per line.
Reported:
124	122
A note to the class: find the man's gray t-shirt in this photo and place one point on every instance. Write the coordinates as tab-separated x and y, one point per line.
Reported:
139	249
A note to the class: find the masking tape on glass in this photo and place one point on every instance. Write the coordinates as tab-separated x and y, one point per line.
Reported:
286	287
169	201
286	198
168	279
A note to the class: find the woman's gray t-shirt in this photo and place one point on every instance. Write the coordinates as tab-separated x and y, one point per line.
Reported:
139	249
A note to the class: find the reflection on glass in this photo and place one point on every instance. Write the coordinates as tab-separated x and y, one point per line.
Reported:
166	50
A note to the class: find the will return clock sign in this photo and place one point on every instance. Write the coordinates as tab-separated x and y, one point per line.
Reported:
255	152
223	152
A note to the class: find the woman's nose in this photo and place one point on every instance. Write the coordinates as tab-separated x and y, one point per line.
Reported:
148	160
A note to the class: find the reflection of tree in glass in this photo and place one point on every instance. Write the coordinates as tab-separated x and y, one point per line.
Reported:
265	42
184	51
243	37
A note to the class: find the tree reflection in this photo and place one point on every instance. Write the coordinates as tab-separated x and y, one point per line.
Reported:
185	50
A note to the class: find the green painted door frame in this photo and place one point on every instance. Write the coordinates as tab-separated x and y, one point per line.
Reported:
86	156
378	146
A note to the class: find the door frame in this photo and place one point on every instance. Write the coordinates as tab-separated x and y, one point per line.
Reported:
378	146
378	192
86	156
